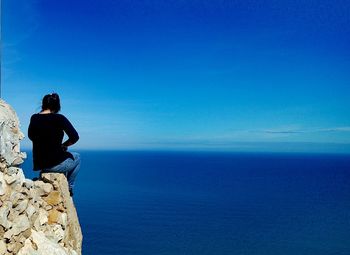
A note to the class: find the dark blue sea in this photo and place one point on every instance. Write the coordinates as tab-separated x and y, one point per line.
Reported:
212	203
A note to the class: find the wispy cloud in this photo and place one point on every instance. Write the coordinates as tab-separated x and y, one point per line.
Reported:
335	129
281	131
303	131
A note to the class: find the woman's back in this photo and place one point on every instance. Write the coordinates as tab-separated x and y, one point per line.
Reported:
46	132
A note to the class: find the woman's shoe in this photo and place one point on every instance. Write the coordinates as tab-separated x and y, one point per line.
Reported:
71	191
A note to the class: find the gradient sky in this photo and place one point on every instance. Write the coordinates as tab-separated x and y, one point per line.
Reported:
210	74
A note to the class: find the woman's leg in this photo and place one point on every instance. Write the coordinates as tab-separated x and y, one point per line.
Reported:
69	167
73	172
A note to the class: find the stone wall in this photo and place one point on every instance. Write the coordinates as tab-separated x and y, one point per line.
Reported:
36	217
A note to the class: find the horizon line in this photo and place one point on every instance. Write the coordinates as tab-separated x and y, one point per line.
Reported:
238	147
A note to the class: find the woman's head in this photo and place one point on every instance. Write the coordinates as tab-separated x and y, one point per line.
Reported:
51	102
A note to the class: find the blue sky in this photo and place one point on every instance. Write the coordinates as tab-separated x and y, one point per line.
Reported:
235	75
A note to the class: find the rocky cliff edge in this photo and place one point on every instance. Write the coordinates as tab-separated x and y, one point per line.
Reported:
36	217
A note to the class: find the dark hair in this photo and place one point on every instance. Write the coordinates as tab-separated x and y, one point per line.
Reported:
51	102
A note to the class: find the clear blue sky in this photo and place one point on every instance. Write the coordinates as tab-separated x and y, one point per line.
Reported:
206	74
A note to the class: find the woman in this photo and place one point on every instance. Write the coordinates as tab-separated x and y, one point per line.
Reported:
46	130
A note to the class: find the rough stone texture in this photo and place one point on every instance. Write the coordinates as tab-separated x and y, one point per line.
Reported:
4	212
3	184
54	198
34	215
30	211
3	248
10	136
21	206
38	244
43	187
20	225
41	219
74	236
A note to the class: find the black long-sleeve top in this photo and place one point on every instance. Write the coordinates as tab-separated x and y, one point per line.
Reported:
46	132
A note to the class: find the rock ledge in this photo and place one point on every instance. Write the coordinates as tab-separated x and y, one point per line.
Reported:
36	217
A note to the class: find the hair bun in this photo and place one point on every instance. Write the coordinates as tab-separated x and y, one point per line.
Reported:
52	102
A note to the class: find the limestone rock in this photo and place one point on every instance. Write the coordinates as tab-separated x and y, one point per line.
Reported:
3	185
54	198
41	219
62	219
4	212
30	210
53	216
54	232
15	197
34	195
10	136
36	217
43	246
14	247
43	187
27	249
10	179
74	235
11	170
21	206
39	244
13	215
2	165
2	230
60	208
2	247
15	176
21	224
28	183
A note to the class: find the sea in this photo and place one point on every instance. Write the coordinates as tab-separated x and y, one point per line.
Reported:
212	203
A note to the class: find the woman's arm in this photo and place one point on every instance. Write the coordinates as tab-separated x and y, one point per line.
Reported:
72	134
31	130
